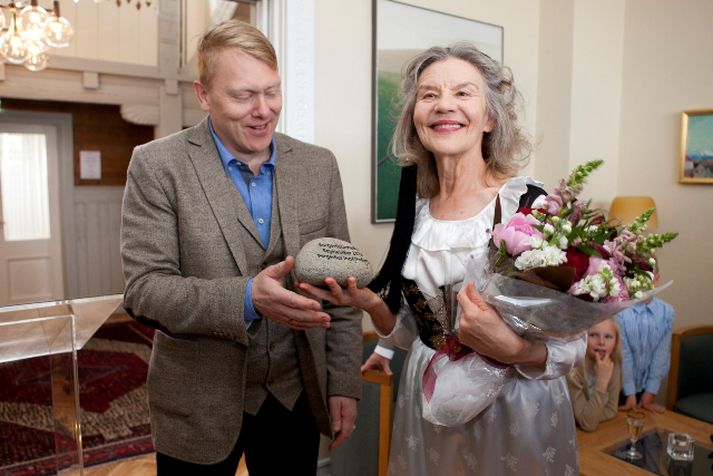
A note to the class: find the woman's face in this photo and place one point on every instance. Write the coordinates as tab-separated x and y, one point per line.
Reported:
450	109
601	340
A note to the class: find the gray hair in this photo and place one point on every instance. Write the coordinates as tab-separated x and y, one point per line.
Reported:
505	149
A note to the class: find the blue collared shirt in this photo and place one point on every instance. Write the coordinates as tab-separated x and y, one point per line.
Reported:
645	345
256	191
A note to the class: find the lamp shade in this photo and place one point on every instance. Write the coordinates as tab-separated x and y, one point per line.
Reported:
626	209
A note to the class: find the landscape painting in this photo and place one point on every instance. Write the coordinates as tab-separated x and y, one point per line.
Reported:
401	31
696	147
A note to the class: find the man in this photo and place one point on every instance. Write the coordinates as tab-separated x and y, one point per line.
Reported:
211	219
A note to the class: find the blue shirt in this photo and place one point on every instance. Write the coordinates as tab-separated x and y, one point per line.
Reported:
645	345
256	191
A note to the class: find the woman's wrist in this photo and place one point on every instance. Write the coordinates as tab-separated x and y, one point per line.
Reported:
381	316
531	354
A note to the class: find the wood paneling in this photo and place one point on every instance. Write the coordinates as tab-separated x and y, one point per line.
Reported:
95	127
97	219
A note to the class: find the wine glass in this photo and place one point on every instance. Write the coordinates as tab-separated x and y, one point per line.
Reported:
635	423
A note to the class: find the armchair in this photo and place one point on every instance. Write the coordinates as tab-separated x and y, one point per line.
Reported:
690	379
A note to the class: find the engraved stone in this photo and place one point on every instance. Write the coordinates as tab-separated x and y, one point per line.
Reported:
325	257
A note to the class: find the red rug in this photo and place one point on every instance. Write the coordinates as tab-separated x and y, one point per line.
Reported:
114	409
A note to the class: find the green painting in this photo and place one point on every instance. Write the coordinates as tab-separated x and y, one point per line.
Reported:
401	32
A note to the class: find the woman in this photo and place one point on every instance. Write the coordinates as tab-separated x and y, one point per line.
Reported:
458	127
594	387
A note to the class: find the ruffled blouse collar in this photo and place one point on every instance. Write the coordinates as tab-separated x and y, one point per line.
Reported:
431	234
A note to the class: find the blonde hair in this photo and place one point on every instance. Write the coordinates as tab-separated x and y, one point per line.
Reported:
616	352
505	149
232	34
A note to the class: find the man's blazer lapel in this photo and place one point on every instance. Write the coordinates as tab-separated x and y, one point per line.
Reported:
288	187
225	200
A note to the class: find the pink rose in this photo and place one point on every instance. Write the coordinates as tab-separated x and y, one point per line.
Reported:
517	233
595	264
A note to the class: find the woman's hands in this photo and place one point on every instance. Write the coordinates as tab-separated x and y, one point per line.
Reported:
482	329
377	362
362	298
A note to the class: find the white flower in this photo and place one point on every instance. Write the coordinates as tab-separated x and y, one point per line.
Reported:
548	229
547	256
536	242
567	227
599	285
563	242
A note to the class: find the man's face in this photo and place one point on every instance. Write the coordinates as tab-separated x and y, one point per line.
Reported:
244	100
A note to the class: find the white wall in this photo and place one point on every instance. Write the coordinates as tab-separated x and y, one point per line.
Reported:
668	68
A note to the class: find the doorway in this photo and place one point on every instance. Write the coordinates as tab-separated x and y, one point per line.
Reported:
31	260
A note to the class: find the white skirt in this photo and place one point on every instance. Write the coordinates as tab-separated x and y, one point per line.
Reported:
528	430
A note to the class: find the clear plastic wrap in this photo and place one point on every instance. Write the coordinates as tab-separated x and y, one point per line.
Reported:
461	388
535	311
458	383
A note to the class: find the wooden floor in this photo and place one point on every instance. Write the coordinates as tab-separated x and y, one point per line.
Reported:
144	465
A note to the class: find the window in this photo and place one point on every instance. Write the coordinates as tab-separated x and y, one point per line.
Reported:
24	186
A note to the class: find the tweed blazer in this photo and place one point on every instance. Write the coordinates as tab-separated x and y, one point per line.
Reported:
182	245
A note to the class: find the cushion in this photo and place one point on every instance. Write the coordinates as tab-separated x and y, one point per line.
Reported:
698	406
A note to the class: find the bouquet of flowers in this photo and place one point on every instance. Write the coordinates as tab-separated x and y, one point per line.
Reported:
562	253
555	270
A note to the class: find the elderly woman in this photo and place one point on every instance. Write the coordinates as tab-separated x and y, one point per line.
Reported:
459	141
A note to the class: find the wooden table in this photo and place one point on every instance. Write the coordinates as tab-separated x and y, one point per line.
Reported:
594	461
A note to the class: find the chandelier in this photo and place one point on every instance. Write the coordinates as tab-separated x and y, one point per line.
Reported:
27	32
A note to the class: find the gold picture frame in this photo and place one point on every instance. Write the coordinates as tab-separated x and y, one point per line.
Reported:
696	164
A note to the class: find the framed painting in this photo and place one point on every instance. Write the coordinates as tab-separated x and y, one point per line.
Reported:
401	31
696	147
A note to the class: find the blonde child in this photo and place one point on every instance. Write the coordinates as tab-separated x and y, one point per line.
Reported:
594	386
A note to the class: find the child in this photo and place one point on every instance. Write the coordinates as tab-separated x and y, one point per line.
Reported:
594	387
646	351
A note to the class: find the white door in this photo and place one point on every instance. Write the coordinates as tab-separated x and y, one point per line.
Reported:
30	235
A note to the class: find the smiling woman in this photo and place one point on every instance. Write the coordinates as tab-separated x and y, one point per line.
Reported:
450	114
459	128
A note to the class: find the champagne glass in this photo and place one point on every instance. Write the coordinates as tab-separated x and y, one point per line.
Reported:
635	423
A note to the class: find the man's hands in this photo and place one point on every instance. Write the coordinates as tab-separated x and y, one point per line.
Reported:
273	301
342	411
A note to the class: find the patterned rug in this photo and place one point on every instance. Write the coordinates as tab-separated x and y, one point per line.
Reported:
114	408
